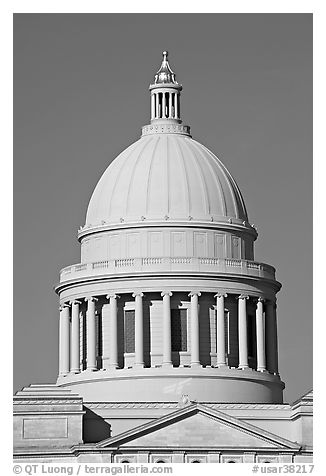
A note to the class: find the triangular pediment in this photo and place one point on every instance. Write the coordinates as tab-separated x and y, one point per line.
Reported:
198	426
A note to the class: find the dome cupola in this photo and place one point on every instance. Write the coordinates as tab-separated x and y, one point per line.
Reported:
165	95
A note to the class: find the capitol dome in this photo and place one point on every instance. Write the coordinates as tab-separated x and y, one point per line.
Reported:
167	295
165	176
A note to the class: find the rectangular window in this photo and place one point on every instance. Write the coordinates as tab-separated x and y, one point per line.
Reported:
179	330
227	332
129	331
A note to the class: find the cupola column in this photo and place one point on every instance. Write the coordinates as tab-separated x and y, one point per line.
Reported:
75	338
176	106
220	330
242	327
260	337
271	337
194	319
64	340
152	106
113	349
91	333
139	330
163	105
167	355
170	106
156	106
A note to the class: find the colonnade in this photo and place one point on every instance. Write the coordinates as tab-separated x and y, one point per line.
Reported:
69	333
165	105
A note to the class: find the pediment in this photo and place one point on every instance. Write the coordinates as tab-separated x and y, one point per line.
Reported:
198	426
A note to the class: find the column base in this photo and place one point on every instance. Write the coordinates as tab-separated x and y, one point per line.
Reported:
138	366
91	369
218	366
75	371
167	365
261	369
243	367
195	364
112	366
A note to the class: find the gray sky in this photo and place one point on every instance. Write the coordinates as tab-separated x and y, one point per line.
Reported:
80	98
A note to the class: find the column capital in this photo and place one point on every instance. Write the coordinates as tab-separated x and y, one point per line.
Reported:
261	299
113	296
137	293
220	294
194	293
91	298
243	296
64	305
74	302
168	293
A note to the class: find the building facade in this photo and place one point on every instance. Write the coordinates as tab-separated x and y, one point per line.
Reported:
168	327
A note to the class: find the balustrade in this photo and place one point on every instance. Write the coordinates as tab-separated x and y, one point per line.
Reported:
157	264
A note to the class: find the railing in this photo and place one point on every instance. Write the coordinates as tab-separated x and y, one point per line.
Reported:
209	266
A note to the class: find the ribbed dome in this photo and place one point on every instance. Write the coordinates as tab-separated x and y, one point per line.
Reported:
165	177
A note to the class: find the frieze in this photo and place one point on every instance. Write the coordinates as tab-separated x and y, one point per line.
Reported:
46	402
153	405
166	129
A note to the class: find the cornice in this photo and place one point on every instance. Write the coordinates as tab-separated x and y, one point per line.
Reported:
168	405
226	277
217	223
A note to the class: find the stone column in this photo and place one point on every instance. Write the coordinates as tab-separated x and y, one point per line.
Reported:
242	328
64	340
170	105
106	335
113	348
271	337
163	106
194	319
167	350
139	330
91	334
158	106
152	106
176	106
75	338
220	330
260	336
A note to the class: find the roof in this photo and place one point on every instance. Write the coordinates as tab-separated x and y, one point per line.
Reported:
165	177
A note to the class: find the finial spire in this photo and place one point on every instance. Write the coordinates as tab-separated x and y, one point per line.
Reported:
165	75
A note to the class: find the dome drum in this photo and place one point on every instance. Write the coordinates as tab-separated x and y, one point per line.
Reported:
158	384
167	241
183	345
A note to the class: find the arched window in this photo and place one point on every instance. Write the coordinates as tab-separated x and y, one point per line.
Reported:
195	461
266	461
231	461
160	461
125	461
